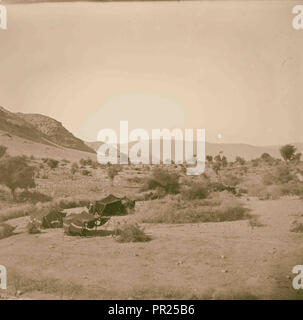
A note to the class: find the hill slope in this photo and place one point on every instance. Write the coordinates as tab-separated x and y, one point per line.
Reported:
55	131
37	131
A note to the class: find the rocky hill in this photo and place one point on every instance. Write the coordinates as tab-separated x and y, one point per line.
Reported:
39	129
55	131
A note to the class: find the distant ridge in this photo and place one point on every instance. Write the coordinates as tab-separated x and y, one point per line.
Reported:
230	150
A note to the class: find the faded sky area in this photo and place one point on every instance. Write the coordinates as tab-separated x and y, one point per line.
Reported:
233	68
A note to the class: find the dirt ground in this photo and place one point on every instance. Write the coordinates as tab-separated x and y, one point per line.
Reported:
190	261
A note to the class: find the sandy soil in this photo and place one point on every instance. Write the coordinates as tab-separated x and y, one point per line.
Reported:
204	261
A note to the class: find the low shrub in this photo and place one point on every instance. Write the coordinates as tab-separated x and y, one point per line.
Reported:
219	187
33	197
86	162
231	180
268	179
162	178
194	211
283	174
131	232
52	163
296	227
292	188
6	230
195	191
86	172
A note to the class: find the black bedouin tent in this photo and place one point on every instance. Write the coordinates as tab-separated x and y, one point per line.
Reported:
109	206
77	223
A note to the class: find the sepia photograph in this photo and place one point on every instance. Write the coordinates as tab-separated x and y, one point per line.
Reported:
151	150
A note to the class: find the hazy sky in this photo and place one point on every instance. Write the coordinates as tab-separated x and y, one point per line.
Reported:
233	68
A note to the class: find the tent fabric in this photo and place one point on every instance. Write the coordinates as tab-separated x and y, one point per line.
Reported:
109	206
77	223
53	219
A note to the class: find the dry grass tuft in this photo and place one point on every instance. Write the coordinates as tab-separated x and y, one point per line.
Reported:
175	210
131	232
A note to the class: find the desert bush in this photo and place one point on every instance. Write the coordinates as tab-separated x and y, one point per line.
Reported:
267	158
268	179
52	163
240	161
86	162
95	164
220	186
195	211
296	227
131	232
33	226
255	163
272	192
231	180
162	178
150	195
286	182
288	152
85	172
283	174
6	230
195	191
292	188
33	197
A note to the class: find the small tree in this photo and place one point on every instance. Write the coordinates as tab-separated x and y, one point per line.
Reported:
16	173
288	152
